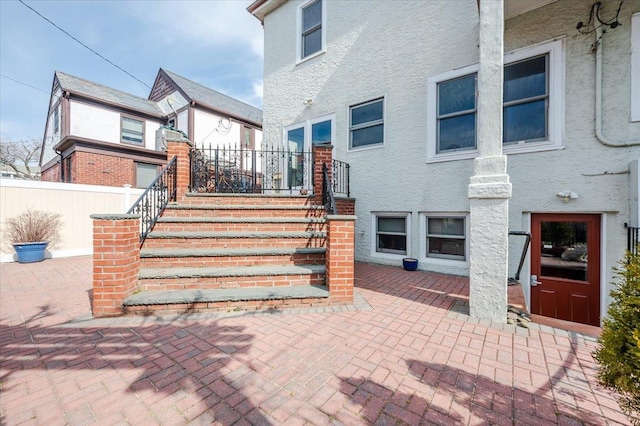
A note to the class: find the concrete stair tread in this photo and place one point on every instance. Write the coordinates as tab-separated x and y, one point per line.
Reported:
249	196
231	252
241	207
250	234
241	220
237	271
226	294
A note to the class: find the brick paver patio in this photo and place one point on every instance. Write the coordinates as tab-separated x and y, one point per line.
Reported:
398	356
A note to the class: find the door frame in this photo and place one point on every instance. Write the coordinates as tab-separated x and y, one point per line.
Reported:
601	266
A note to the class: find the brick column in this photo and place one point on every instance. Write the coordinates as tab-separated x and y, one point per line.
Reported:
116	261
340	258
181	148
321	155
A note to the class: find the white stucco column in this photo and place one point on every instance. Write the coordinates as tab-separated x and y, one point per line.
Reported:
489	187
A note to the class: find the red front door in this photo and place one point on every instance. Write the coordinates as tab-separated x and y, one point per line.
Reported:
565	250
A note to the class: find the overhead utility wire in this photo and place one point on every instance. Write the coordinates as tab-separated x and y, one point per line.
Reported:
23	83
84	45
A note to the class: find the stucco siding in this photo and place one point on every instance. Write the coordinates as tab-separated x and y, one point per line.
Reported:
391	49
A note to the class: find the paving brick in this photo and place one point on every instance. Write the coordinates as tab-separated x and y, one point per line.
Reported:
402	360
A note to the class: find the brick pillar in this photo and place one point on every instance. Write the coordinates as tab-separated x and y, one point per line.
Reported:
181	148
321	155
340	257
116	261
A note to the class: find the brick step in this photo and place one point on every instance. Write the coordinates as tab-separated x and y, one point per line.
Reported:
195	239
222	224
156	279
163	258
239	210
249	199
193	301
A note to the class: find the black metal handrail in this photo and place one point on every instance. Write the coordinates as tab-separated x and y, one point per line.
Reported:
525	248
633	238
327	192
340	177
155	198
233	169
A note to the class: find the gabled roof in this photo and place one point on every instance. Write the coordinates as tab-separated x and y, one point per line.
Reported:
98	92
214	100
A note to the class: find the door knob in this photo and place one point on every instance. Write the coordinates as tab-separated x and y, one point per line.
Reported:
534	281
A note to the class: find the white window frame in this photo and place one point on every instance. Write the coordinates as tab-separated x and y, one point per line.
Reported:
635	67
308	143
423	239
382	99
374	234
555	140
323	29
307	129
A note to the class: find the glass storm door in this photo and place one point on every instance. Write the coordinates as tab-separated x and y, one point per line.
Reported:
565	267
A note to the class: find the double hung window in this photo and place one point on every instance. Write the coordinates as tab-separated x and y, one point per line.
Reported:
366	124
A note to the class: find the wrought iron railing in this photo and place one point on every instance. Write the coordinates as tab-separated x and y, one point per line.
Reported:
155	198
230	169
327	192
340	178
633	238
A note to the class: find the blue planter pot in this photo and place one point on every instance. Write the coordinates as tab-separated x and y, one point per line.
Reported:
410	264
30	252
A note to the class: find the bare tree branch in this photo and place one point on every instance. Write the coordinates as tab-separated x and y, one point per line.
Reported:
21	156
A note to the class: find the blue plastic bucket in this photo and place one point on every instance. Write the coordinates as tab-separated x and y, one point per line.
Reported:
30	252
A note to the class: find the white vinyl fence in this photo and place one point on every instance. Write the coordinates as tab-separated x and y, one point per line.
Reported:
74	202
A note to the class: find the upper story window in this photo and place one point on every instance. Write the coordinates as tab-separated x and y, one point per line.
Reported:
311	19
456	114
533	105
132	130
56	120
366	124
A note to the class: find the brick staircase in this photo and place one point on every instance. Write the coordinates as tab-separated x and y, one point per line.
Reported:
223	251
219	251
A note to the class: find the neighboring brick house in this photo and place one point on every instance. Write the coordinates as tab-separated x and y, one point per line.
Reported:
102	136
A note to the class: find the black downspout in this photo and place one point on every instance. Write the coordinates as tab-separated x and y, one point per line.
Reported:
61	165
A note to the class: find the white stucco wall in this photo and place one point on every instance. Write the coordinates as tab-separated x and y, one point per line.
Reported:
103	124
390	49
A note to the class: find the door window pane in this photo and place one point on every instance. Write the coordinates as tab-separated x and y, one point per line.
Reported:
321	132
295	140
564	250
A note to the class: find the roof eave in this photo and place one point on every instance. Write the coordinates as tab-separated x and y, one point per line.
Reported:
260	8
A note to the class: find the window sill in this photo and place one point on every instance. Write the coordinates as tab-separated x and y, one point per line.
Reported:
523	148
389	255
453	156
366	148
308	58
444	262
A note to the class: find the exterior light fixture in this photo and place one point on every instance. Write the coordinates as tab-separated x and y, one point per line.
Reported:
567	195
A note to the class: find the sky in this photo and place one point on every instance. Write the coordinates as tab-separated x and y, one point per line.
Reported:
216	43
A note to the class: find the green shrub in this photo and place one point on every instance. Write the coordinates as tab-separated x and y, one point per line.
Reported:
619	351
